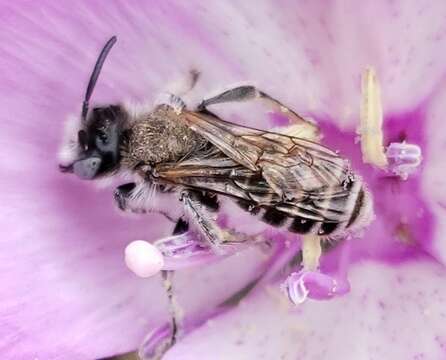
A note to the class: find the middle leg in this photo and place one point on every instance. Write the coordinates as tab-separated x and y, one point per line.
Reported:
249	92
201	211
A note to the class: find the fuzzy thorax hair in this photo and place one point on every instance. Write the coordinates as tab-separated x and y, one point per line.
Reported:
159	136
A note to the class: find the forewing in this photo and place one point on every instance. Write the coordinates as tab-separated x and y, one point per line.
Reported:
290	165
222	175
224	136
218	174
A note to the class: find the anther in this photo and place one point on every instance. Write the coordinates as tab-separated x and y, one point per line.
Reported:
314	285
143	258
403	158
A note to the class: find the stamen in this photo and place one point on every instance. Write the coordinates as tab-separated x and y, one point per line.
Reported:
371	121
311	251
186	250
314	285
171	253
400	158
403	158
143	258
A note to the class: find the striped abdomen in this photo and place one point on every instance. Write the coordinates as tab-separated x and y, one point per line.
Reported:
347	213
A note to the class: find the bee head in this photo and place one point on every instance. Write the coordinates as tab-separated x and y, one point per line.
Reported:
99	139
99	143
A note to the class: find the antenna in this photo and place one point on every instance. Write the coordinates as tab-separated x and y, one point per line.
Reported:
95	74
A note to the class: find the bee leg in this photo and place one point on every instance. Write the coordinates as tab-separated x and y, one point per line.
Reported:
174	309
167	276
122	194
133	197
203	219
172	100
181	227
247	93
191	81
172	97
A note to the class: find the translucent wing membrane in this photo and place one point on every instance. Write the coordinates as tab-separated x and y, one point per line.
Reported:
287	163
297	176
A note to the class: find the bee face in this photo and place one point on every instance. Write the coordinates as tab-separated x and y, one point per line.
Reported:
99	142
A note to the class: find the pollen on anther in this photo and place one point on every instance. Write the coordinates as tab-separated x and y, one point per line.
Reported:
143	258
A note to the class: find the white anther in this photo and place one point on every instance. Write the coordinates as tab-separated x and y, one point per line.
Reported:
143	258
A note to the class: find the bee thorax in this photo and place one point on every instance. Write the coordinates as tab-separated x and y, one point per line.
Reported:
159	136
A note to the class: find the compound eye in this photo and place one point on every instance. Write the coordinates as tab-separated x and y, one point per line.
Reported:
107	139
101	134
87	168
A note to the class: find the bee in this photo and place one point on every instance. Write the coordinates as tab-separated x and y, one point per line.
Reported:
195	156
210	165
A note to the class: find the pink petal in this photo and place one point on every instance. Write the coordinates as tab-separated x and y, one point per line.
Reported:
433	179
61	263
391	313
66	292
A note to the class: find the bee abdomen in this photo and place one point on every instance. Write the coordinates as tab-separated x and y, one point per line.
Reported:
300	225
274	217
281	219
349	212
359	202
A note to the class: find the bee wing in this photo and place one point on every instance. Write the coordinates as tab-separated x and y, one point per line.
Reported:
218	174
225	138
222	175
289	164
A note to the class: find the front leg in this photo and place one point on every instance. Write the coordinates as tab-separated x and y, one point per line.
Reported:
147	197
122	195
133	197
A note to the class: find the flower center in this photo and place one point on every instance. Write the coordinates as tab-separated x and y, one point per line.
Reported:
402	159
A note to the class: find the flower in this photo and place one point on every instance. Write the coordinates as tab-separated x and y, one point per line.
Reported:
66	291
